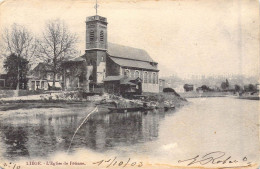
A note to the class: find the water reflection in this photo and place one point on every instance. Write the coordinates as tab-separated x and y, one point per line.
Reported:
42	134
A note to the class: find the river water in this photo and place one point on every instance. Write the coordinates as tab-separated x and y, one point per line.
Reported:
205	125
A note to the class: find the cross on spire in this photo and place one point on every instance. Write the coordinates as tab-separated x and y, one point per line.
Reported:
96	6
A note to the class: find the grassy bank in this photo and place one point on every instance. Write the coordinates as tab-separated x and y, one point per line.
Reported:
30	104
175	98
16	104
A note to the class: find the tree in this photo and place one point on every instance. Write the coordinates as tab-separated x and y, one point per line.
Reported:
224	85
18	41
170	90
251	88
237	88
11	64
188	87
227	83
205	88
56	45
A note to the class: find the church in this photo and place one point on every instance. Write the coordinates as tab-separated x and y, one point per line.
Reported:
108	67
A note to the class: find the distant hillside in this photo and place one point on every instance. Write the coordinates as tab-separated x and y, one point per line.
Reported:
175	81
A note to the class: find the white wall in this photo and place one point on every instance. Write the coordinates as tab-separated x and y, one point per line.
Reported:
149	87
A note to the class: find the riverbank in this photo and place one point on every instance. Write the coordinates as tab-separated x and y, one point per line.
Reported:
40	104
194	94
253	97
171	97
38	101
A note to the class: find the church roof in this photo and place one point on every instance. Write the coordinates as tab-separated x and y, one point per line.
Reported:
126	57
133	63
128	52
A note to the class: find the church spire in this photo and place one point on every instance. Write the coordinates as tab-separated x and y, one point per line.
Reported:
96	7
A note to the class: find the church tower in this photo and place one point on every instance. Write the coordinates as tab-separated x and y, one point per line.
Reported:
96	48
96	33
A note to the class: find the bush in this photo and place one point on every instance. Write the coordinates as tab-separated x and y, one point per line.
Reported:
170	90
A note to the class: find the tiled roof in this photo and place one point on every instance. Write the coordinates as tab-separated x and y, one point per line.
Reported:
41	67
128	52
133	63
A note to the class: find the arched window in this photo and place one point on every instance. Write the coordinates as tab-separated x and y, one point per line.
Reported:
127	73
154	78
101	36
91	35
145	77
149	78
137	74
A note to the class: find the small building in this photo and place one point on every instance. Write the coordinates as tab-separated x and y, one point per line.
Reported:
41	78
123	85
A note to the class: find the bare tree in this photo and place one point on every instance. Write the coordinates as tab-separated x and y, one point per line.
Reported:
56	45
19	41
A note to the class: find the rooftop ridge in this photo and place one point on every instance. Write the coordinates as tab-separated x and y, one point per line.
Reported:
127	52
131	59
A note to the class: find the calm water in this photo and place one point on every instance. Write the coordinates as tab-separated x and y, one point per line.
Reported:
211	124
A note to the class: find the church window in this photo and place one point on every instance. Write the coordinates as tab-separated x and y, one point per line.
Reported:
127	73
137	74
91	35
149	78
145	77
154	78
101	36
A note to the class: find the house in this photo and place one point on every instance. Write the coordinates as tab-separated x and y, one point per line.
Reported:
104	61
41	78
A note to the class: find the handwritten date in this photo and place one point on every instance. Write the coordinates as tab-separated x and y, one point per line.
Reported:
114	162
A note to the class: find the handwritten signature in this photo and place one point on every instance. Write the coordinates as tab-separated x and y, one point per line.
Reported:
216	157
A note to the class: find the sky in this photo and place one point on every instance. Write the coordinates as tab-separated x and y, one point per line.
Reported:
186	37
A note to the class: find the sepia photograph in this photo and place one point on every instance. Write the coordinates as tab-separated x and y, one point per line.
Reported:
129	84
